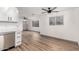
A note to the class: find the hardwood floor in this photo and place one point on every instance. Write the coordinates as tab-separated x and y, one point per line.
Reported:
33	41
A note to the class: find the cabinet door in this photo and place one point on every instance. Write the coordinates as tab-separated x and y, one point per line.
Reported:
1	42
9	40
18	39
20	26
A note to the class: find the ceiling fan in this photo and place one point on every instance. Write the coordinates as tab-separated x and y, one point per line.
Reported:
49	10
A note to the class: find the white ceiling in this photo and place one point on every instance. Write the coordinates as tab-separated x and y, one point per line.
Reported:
29	11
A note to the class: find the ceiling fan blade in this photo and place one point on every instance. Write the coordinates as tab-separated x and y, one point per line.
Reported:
44	12
44	9
54	8
55	11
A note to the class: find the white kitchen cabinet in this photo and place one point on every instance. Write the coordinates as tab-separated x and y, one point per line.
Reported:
18	34
8	40
20	26
9	22
18	38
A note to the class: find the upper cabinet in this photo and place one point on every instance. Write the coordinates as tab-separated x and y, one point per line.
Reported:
9	14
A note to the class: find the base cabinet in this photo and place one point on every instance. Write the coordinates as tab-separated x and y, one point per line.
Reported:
7	40
18	39
1	42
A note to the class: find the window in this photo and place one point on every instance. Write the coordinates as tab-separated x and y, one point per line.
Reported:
52	21
56	20
35	23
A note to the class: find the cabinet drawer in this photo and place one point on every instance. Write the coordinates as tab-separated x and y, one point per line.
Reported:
19	39
18	32
18	43
19	36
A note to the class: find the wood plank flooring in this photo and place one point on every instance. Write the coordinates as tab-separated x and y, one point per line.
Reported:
33	41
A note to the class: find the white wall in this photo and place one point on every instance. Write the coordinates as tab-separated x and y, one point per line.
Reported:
70	29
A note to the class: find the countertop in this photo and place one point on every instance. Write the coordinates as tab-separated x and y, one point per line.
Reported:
3	33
